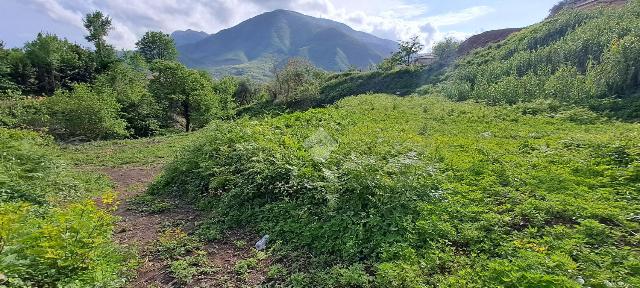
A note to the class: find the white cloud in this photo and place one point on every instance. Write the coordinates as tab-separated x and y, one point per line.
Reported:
392	19
58	12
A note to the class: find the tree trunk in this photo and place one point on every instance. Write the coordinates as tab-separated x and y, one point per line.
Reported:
187	115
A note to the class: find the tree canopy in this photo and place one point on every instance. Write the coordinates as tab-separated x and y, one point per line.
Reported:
155	45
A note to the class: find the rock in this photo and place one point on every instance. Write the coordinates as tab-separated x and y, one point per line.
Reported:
486	134
580	280
262	243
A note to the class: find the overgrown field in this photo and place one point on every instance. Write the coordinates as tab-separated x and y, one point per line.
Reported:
411	192
52	234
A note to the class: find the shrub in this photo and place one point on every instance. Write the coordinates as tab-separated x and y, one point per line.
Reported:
24	113
84	114
50	234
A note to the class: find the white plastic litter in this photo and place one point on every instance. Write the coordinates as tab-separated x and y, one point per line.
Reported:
262	243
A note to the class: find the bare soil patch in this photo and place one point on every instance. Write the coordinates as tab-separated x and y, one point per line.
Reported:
141	231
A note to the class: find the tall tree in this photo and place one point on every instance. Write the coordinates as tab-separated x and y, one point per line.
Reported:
57	63
185	92
407	50
7	86
98	26
155	45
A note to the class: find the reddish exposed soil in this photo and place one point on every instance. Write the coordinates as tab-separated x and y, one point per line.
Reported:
140	231
484	39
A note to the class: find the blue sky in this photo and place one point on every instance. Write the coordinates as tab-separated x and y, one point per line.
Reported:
21	20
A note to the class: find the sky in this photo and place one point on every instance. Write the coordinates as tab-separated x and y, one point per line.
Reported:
431	20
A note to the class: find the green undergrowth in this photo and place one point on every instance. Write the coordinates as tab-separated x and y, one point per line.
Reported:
136	152
51	233
380	191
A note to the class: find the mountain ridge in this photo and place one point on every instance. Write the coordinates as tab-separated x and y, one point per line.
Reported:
278	35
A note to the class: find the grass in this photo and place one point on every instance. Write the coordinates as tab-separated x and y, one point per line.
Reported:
136	152
421	191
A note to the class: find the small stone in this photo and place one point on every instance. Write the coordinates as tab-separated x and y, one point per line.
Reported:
486	134
262	243
608	284
580	280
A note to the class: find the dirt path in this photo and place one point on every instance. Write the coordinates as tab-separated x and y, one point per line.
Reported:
141	231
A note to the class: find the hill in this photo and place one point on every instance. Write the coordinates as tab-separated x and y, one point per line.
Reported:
584	4
530	190
187	37
580	57
280	34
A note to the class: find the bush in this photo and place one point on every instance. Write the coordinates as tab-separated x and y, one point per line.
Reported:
84	114
424	192
50	234
24	113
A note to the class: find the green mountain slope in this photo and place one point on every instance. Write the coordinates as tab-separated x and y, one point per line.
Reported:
187	37
279	34
587	58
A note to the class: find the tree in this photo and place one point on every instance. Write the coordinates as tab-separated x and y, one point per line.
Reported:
98	25
156	45
7	85
298	79
408	49
138	107
224	89
186	92
57	63
446	50
246	92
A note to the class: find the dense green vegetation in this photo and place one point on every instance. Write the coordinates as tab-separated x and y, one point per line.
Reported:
412	192
539	188
51	233
95	95
587	58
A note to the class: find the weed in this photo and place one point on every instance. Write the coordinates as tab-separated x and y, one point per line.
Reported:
186	268
146	203
242	267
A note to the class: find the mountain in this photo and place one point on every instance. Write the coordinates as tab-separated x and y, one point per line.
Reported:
188	36
252	46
